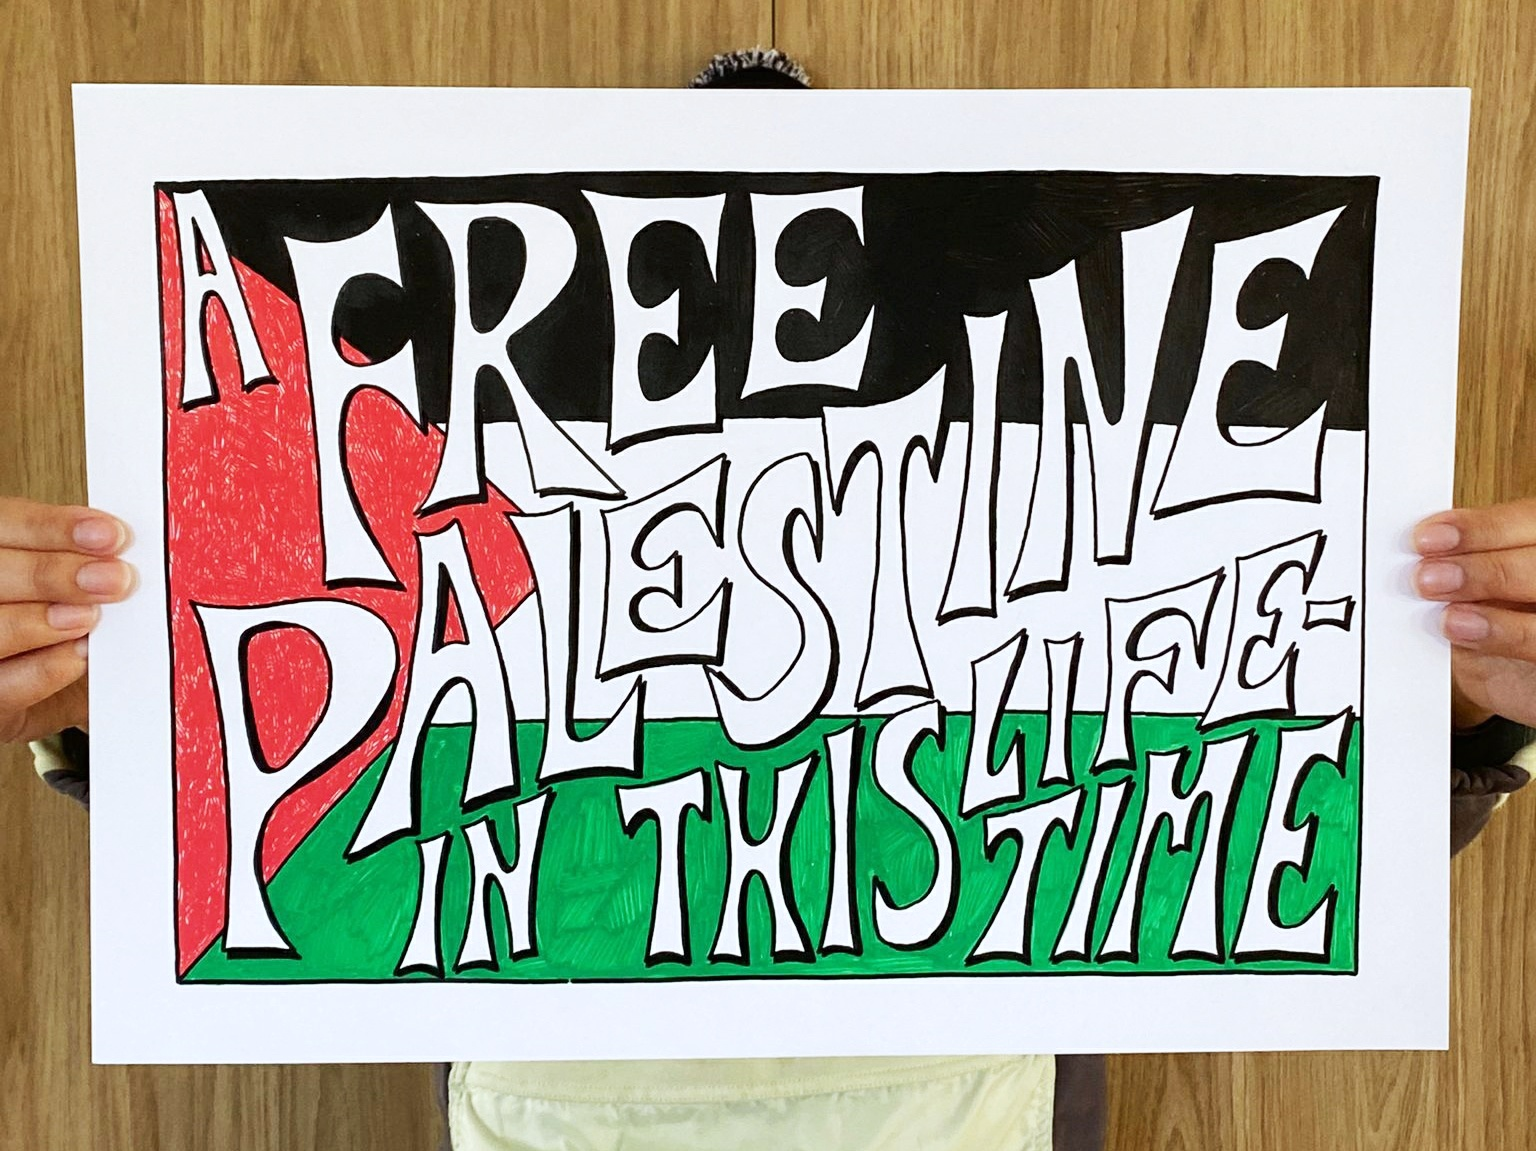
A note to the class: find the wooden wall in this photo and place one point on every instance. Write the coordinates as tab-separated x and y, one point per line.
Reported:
1475	1098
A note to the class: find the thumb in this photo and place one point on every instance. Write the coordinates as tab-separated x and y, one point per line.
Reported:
67	708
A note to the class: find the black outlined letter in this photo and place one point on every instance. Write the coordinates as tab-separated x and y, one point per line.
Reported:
1117	450
650	619
424	947
1008	934
921	922
518	882
1287	844
1061	656
1258	677
556	465
1109	807
971	588
840	929
890	434
633	417
320	272
1206	465
553	542
1179	618
356	697
667	804
207	273
772	298
766	857
785	494
1199	927
437	667
992	678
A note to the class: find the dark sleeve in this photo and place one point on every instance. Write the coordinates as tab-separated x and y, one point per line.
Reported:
1483	774
63	761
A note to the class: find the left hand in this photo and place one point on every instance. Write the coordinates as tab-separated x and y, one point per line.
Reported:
1481	563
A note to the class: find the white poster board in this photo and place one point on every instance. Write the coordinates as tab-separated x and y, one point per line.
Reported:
657	574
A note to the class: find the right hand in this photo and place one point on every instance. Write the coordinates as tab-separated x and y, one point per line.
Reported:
1481	563
58	566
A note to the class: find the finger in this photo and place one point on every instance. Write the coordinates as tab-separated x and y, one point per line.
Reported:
1491	630
1467	708
61	577
29	626
35	526
27	680
1508	576
1509	525
62	709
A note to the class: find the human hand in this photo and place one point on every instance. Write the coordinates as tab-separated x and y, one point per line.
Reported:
1481	563
57	567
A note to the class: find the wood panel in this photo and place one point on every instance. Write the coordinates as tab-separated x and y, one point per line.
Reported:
54	1098
1477	1097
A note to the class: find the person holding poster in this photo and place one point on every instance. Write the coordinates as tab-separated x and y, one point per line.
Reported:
59	566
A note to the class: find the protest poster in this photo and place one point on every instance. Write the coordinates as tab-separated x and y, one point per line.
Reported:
645	574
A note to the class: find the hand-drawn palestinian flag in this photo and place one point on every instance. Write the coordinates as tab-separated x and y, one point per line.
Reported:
632	576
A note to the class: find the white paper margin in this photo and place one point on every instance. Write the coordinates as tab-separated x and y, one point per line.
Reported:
129	137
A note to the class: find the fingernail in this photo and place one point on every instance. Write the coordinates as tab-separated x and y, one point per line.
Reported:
98	534
82	648
1439	578
1436	537
70	616
108	577
1466	625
